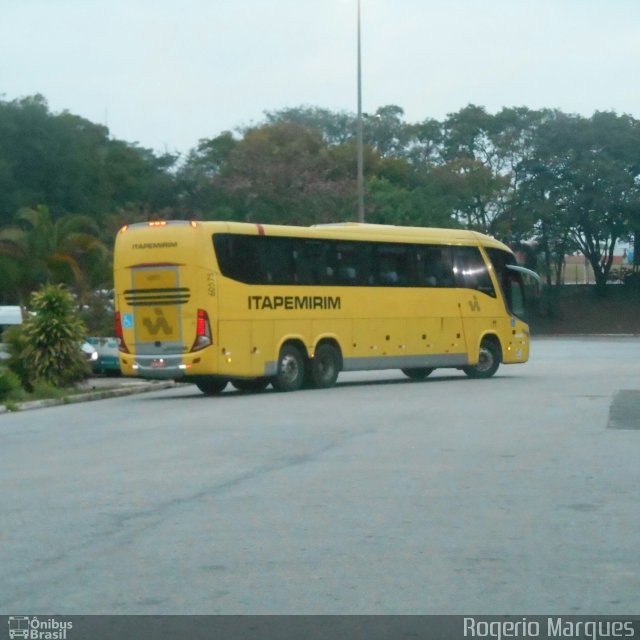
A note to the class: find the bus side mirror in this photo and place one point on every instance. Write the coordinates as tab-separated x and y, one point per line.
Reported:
530	275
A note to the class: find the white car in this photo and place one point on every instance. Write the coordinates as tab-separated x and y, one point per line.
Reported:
89	352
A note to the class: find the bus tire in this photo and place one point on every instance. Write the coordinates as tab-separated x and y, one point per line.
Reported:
251	385
211	387
325	366
419	373
488	362
291	369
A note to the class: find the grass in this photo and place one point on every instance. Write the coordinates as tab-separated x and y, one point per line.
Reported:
41	391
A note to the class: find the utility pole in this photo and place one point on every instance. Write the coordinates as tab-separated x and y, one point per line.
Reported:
359	134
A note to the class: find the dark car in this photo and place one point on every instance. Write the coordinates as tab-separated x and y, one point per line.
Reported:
107	356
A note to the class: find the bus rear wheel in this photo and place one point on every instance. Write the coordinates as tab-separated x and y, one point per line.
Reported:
325	366
211	387
291	369
488	362
251	385
419	373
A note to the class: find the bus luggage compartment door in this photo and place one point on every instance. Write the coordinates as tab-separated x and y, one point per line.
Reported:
157	300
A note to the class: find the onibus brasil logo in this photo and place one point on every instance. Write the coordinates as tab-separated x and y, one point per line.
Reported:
33	628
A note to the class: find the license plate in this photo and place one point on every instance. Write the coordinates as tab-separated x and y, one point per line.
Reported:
158	364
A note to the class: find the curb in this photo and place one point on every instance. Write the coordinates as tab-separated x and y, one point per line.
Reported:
141	387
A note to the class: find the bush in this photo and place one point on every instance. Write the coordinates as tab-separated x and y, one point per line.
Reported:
53	337
9	383
16	341
632	281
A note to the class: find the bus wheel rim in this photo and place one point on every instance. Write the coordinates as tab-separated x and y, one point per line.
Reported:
290	369
485	361
325	366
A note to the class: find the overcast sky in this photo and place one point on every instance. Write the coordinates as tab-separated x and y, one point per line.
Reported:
165	73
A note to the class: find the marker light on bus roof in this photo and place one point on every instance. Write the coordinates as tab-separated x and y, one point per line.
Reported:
158	223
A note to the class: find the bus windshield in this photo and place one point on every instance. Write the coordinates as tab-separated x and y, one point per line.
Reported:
510	275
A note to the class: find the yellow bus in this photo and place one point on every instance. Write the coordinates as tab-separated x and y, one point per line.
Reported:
251	304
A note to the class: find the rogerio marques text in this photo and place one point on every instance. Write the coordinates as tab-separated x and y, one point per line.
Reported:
548	627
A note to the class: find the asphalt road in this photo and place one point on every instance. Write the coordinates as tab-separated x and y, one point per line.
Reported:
515	495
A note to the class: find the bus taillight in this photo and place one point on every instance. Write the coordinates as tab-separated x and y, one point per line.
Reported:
122	345
203	331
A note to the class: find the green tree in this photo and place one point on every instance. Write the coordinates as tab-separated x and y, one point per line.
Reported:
336	128
539	206
74	167
42	250
16	342
489	153
587	176
428	205
472	191
387	132
512	134
199	179
426	144
282	173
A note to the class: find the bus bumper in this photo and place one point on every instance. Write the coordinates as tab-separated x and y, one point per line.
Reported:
154	367
517	348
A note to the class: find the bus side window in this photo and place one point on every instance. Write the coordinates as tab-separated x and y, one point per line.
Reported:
422	276
445	276
346	263
237	257
302	266
393	265
435	266
310	257
277	260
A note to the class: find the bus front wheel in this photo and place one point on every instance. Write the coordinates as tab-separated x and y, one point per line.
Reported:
325	366
291	367
211	387
488	362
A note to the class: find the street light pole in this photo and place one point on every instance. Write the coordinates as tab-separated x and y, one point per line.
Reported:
359	133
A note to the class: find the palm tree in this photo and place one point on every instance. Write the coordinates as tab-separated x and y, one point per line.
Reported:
43	251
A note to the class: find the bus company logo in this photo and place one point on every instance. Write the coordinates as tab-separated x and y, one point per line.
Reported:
159	324
33	628
294	302
474	305
154	245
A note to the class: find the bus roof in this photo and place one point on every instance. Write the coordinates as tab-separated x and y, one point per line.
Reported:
340	230
361	231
